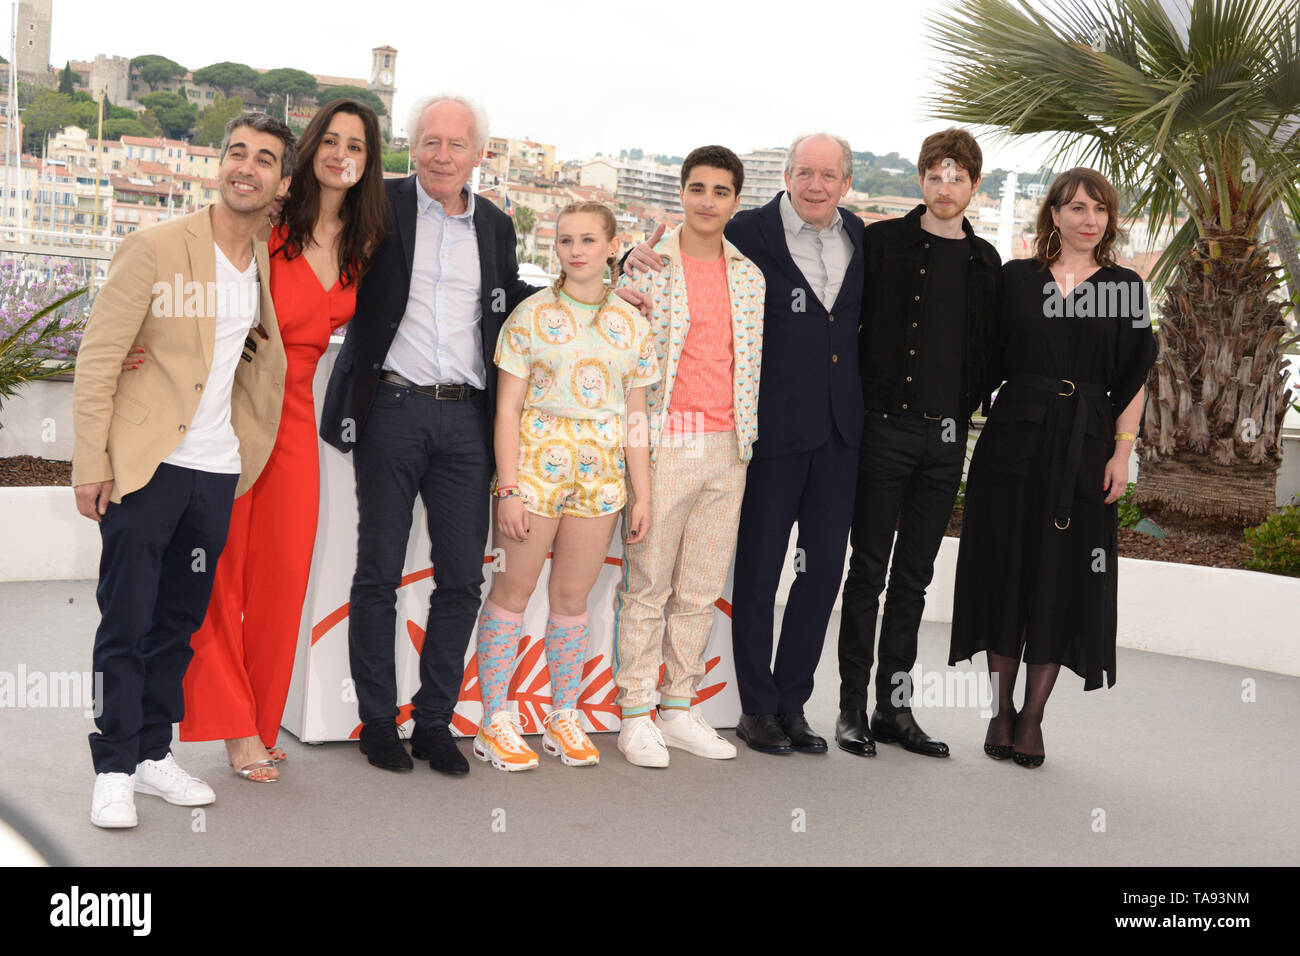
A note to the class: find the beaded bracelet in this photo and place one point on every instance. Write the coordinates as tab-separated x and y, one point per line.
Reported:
507	491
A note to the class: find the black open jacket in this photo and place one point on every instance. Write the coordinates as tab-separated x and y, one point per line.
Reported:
897	254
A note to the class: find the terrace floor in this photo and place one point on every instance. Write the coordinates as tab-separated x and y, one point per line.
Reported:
1183	762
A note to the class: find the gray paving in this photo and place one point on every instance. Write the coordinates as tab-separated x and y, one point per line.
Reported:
1171	766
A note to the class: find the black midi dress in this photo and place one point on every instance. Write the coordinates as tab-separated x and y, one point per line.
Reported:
1038	543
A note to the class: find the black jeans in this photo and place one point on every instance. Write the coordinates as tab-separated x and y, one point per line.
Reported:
908	475
414	443
160	549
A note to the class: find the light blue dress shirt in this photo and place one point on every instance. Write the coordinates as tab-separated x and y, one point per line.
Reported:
822	255
440	338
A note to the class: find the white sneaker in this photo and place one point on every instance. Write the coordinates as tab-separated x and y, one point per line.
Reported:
165	778
641	743
113	802
690	732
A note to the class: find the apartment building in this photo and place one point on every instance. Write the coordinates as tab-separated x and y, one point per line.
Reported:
764	177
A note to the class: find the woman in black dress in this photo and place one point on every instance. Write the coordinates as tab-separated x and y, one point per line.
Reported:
1036	571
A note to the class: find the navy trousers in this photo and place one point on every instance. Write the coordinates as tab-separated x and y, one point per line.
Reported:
816	489
414	444
160	551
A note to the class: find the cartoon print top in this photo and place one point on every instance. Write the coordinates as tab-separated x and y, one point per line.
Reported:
579	358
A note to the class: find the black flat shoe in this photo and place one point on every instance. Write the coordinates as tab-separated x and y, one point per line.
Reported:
382	746
436	745
901	728
853	733
762	732
801	735
1002	751
1028	760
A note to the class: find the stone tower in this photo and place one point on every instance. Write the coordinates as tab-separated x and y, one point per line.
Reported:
112	75
32	47
383	75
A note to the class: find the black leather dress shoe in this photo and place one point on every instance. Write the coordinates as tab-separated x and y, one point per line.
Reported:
762	732
801	735
901	728
436	745
383	747
853	733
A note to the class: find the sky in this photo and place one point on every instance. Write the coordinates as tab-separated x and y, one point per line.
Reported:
664	76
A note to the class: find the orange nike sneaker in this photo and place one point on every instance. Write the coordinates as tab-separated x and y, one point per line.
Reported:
501	741
563	737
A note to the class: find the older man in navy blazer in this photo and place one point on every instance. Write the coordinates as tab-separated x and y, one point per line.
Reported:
809	427
412	397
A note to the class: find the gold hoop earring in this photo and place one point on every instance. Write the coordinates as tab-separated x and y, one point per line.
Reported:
1048	250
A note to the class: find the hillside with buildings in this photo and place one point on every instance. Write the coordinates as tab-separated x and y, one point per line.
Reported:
68	177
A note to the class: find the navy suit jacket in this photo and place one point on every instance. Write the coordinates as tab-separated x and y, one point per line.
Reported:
381	303
809	382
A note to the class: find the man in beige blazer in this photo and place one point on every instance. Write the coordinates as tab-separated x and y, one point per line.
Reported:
160	454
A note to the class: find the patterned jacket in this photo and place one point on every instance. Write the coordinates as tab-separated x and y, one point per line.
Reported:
670	320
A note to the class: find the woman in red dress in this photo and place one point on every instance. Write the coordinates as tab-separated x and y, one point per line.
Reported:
334	215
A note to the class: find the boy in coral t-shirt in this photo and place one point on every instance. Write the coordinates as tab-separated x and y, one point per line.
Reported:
707	326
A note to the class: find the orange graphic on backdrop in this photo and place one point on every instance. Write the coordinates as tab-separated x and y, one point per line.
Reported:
530	681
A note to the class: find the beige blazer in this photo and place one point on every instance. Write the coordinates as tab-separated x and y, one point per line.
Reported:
160	295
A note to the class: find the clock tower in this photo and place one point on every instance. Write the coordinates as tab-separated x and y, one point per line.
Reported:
383	71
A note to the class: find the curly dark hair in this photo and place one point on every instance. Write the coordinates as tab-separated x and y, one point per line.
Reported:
718	157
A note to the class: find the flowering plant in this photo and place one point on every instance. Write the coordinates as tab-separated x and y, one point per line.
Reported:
37	341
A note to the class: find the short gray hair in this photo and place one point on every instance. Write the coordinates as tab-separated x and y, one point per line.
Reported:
846	152
479	116
266	124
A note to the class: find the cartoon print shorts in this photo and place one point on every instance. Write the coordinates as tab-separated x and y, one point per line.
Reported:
570	466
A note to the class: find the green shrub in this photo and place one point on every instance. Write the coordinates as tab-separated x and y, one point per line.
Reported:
1129	513
1275	544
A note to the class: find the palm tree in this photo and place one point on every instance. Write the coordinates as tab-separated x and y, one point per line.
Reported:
525	222
1190	107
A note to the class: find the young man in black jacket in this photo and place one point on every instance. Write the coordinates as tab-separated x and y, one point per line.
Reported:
928	316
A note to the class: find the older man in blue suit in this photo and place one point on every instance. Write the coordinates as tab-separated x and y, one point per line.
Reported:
809	427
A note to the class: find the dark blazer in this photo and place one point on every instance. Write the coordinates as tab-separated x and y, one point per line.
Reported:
381	303
810	380
896	254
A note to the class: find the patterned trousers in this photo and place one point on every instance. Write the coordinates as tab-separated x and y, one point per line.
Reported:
663	611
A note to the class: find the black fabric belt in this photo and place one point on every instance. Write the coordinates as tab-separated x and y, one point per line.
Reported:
454	393
914	413
1075	392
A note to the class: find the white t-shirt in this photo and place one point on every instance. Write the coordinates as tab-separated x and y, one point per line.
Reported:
210	443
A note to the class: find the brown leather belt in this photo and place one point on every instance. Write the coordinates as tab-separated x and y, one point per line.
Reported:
452	393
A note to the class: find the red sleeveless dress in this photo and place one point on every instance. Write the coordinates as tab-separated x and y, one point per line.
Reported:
238	679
